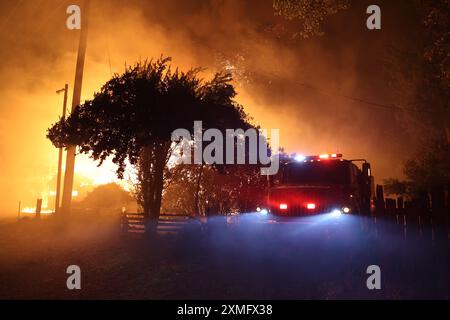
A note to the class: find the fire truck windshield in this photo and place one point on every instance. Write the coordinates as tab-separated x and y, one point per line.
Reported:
317	172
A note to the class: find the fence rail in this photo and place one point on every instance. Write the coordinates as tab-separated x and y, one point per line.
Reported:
167	224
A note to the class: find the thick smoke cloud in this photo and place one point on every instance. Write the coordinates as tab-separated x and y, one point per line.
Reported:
296	85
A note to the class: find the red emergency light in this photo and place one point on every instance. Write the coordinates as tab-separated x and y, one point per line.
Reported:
330	156
283	206
310	206
324	156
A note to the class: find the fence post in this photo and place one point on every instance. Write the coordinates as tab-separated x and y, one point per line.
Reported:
437	204
438	210
124	221
402	214
379	203
38	208
390	208
447	210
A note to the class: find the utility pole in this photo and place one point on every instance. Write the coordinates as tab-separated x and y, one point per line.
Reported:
60	155
70	158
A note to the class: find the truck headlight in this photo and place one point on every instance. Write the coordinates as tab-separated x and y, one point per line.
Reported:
336	212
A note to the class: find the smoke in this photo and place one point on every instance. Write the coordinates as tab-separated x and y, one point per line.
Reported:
296	85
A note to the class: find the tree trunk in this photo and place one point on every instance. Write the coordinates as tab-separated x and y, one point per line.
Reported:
197	190
144	173
160	162
151	178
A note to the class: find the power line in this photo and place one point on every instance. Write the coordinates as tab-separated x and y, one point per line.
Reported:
362	101
369	103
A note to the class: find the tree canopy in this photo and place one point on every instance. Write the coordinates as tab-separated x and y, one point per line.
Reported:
134	114
311	13
421	76
143	105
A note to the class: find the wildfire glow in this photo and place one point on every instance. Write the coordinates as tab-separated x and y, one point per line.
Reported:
106	173
33	210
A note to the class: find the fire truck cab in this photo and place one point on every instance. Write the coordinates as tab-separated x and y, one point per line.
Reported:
321	184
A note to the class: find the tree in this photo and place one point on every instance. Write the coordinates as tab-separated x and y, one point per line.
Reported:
310	13
107	196
134	114
437	21
430	169
421	76
237	188
309	17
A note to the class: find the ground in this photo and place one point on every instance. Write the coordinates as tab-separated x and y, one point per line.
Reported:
322	257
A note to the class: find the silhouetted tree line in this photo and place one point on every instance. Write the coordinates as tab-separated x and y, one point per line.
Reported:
422	77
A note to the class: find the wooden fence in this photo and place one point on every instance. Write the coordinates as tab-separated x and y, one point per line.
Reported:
167	224
429	211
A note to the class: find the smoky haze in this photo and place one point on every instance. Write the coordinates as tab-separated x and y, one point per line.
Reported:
296	85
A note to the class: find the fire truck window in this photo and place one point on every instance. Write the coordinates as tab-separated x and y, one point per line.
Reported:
354	175
325	172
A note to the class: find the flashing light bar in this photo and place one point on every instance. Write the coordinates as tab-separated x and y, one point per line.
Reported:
325	156
283	206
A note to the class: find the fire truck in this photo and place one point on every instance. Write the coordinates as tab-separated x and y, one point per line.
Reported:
321	184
